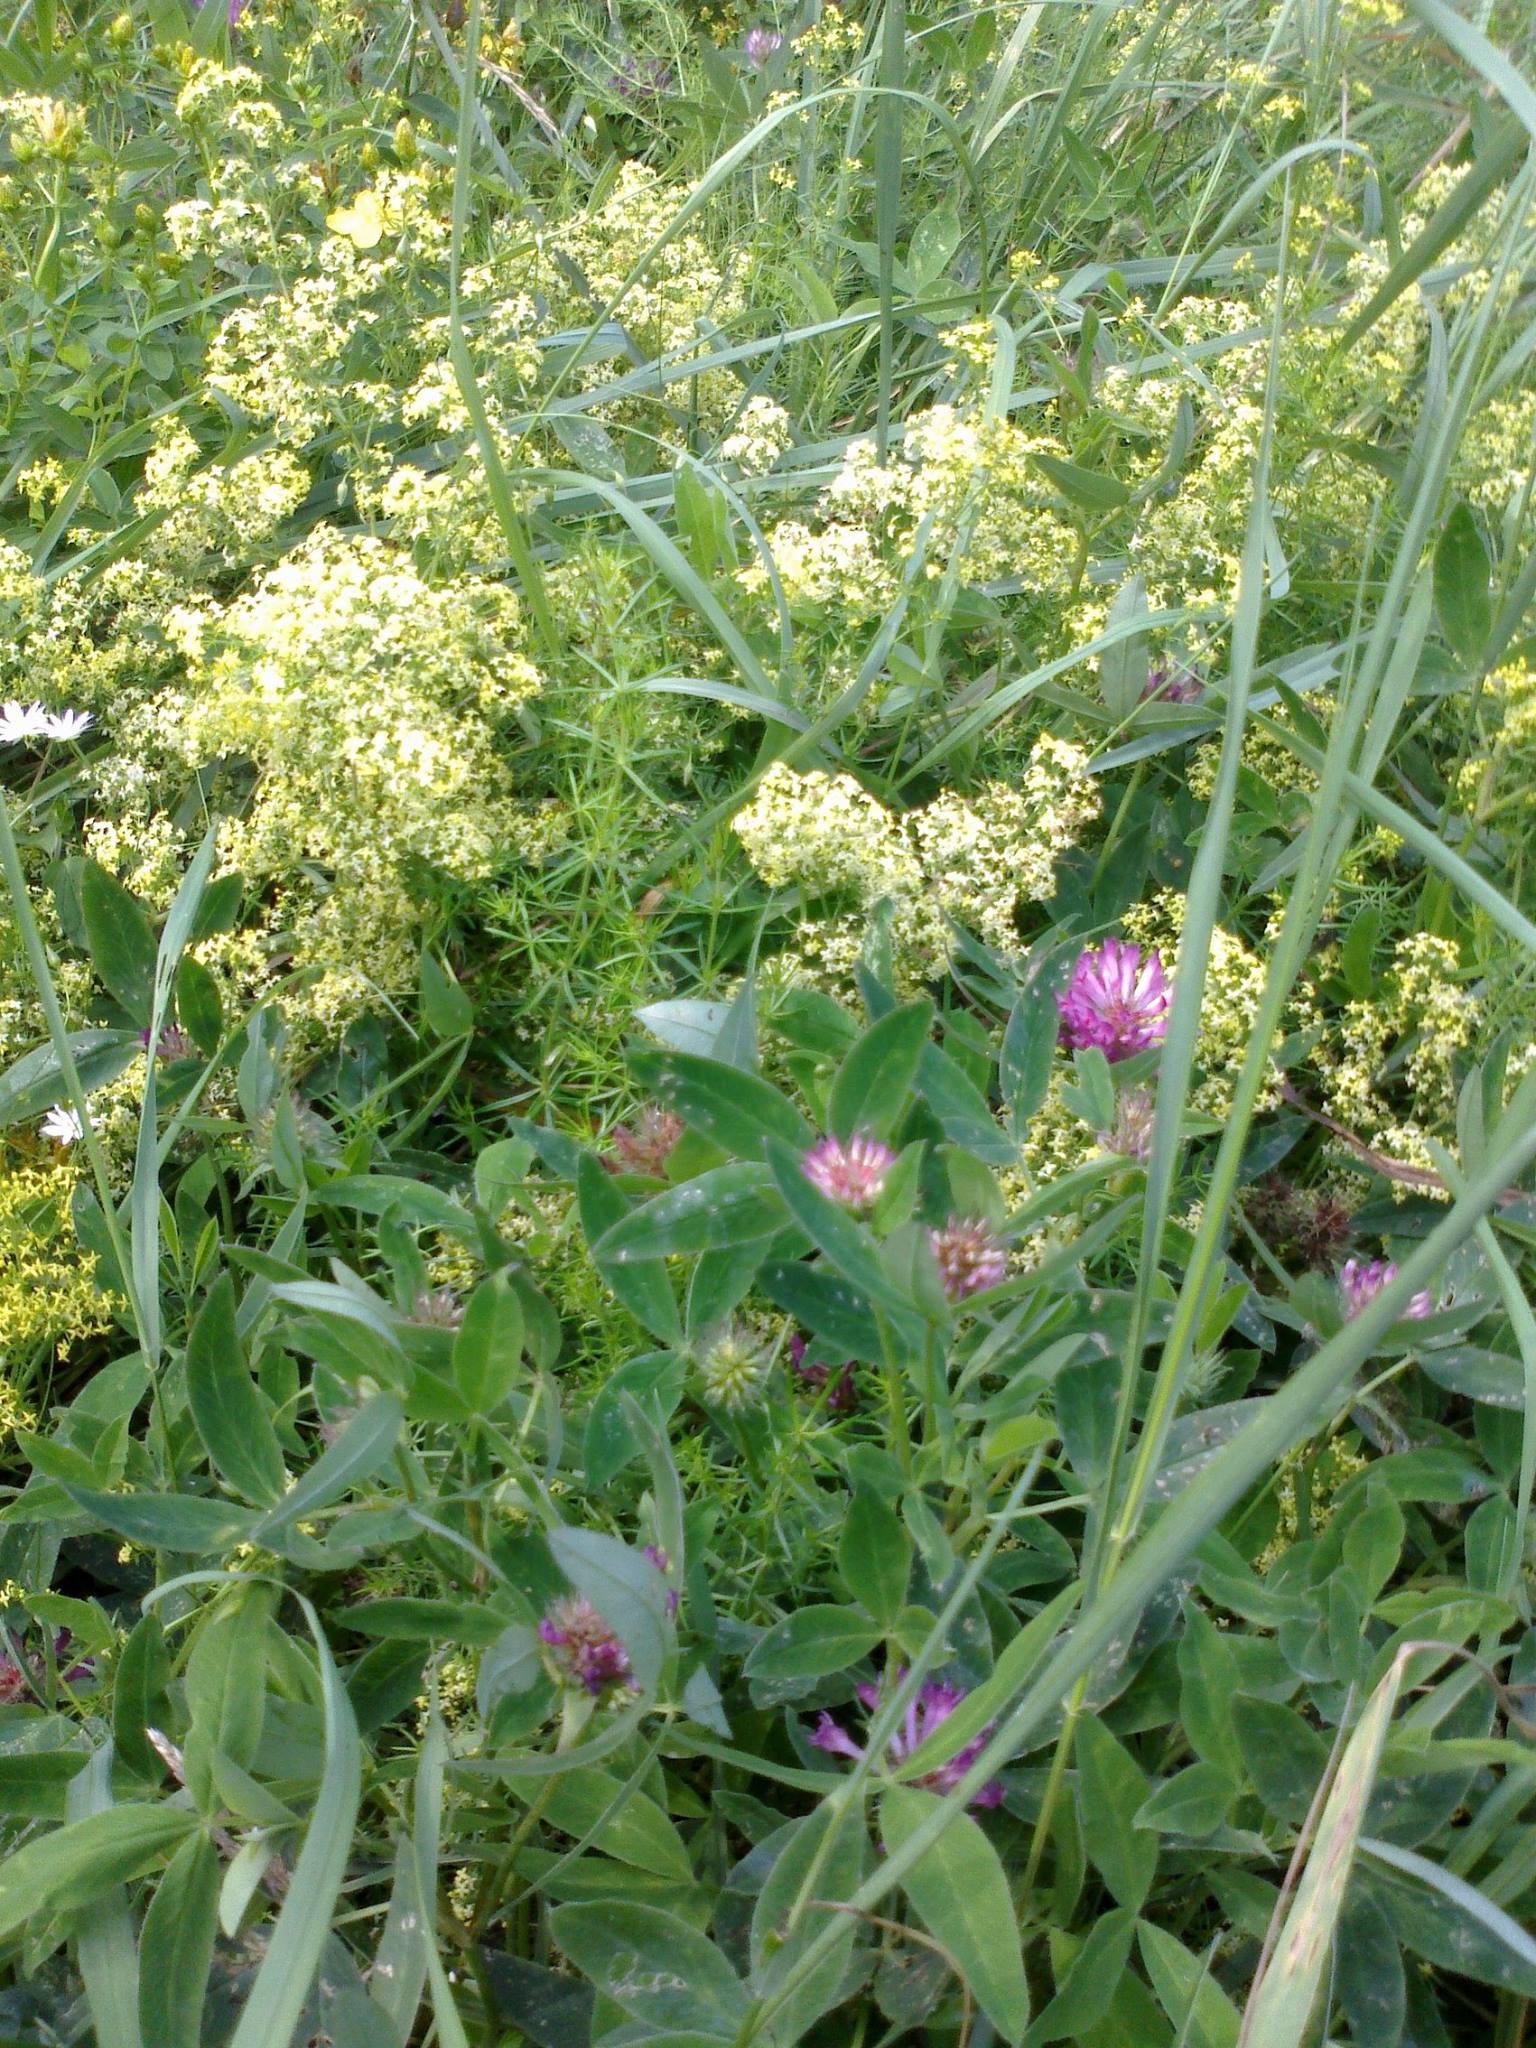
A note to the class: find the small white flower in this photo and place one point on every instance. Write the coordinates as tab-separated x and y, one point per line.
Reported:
65	725
22	722
62	1125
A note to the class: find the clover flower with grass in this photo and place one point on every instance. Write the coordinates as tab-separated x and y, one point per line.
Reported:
1361	1280
761	44
1116	1000
850	1173
970	1257
934	1704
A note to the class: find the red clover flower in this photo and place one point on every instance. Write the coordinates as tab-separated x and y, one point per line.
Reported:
1361	1280
1116	1000
932	1707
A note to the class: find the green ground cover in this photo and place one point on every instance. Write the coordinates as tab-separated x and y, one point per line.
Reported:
767	1023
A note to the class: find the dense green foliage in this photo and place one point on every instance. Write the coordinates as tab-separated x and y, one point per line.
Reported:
767	1071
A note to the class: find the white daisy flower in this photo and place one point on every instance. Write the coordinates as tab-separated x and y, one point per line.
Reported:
63	1125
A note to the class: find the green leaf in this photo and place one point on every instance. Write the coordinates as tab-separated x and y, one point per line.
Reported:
446	1010
1202	2014
626	1589
1087	1987
644	1287
1463	580
1285	1758
121	940
874	1557
426	1621
594	1807
199	1006
830	1307
186	1523
1112	1791
65	1871
829	1847
229	1412
1028	1052
226	1684
735	1109
176	1946
1086	487
358	1452
720	1207
654	1967
277	1997
33	1782
138	1694
871	1087
813	1642
35	1082
1193	1802
488	1346
958	1890
962	1109
1123	666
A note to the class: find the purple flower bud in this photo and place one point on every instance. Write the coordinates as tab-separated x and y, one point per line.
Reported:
1361	1280
761	44
1116	1000
851	1174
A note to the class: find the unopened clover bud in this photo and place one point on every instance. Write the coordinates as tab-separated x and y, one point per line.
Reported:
59	129
145	219
405	139
108	232
120	30
368	156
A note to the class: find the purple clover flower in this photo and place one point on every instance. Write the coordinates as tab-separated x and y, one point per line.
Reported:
850	1174
172	1044
1117	1000
842	1393
646	1146
642	78
1169	683
21	1677
587	1651
761	44
969	1255
933	1706
1361	1280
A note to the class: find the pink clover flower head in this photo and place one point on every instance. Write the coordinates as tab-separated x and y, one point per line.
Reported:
850	1173
969	1255
1361	1280
932	1707
1116	1000
761	44
586	1650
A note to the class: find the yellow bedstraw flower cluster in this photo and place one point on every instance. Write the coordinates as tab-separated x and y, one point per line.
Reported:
1330	1470
972	476
225	511
350	709
971	859
1426	1015
1229	999
759	436
48	1290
